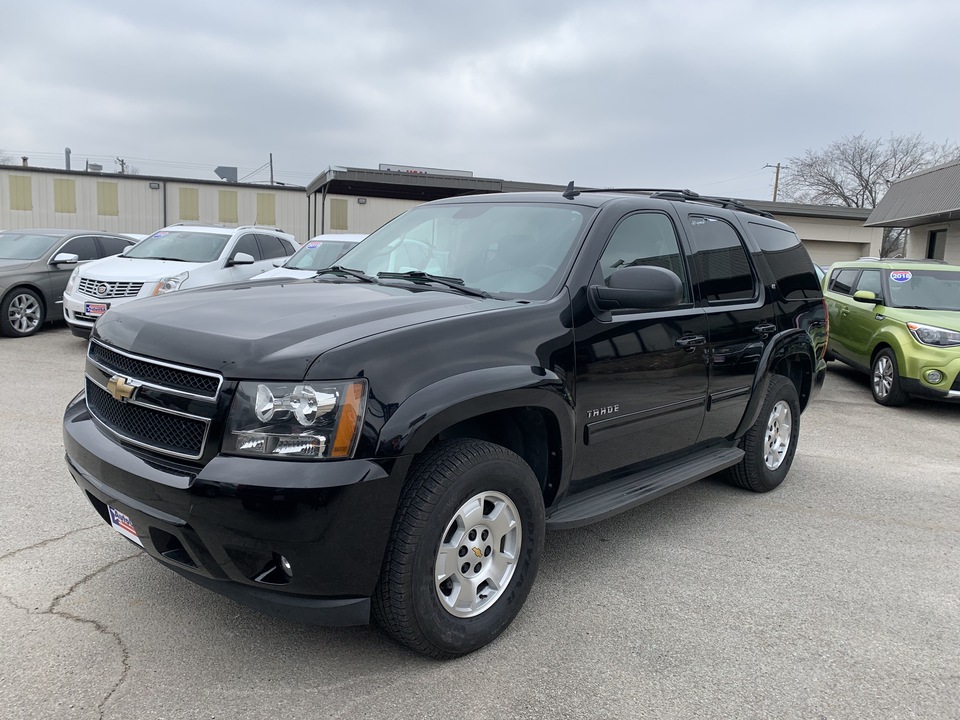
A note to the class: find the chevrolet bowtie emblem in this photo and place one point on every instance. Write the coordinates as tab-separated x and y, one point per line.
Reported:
121	388
477	552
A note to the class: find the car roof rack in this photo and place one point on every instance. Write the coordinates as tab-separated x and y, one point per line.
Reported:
672	194
929	261
259	227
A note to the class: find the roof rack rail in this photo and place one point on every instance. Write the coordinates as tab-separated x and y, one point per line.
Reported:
929	261
673	194
261	227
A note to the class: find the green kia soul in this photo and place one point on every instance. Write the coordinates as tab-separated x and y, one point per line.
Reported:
898	320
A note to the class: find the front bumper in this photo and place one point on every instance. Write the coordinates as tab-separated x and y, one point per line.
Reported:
915	366
226	525
74	311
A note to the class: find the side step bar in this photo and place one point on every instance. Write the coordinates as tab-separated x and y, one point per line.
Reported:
628	492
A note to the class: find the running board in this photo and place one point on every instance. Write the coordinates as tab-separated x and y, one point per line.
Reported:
607	500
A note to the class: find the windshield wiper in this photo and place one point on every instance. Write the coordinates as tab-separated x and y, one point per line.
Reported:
450	282
340	270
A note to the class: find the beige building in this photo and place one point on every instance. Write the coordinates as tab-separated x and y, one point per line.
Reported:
928	204
339	200
345	199
48	198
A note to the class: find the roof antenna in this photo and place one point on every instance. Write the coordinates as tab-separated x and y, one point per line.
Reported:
570	193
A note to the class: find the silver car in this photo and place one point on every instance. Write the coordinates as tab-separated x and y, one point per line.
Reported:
34	268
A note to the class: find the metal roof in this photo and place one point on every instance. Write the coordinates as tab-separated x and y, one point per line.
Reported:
926	197
280	187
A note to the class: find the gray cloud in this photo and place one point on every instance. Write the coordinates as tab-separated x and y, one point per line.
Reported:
698	95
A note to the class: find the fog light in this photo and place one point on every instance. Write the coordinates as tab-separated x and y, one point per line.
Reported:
933	376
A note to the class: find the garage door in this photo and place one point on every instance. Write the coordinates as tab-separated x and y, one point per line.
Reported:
824	252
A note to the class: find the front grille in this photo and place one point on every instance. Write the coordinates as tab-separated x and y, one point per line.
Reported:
175	378
145	426
108	288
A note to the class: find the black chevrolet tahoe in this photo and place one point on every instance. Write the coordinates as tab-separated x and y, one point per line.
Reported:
390	439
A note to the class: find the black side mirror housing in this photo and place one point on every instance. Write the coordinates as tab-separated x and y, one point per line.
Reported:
639	287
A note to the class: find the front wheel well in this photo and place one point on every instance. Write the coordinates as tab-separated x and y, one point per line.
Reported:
531	432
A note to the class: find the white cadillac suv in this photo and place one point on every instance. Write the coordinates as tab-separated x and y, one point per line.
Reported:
175	258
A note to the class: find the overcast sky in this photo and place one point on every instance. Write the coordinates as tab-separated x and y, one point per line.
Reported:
700	95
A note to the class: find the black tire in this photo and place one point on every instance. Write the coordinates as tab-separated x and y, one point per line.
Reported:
885	380
409	603
766	461
21	313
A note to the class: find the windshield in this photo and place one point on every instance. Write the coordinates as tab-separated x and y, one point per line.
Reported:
317	254
925	289
513	249
24	246
184	245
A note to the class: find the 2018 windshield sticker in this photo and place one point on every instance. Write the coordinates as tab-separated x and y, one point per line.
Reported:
901	276
312	245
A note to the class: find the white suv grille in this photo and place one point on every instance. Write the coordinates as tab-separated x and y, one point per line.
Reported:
108	289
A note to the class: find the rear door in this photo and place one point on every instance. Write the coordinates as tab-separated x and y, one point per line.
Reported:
839	295
740	313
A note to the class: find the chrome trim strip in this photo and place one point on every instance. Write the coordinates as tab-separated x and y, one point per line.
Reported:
157	408
173	366
144	445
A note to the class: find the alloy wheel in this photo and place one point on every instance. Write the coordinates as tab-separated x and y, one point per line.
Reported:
24	313
478	554
777	438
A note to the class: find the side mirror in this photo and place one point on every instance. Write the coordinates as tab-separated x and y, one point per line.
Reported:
242	258
65	259
640	287
126	249
867	296
278	262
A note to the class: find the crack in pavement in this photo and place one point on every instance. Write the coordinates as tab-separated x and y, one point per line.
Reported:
100	627
48	541
55	609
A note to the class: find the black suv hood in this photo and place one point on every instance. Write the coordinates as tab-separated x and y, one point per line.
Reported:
273	330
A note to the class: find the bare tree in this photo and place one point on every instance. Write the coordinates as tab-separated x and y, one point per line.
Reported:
856	171
4	158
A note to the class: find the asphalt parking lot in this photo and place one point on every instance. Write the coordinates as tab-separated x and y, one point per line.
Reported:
835	596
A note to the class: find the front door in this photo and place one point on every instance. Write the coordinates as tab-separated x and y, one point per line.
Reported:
641	375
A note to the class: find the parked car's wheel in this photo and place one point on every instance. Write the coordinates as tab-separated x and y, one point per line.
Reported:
769	445
885	380
21	313
463	551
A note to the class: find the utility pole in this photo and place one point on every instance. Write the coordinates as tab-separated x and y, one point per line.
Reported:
776	179
271	168
123	165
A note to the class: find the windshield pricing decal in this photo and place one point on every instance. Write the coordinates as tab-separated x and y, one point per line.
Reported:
312	245
901	276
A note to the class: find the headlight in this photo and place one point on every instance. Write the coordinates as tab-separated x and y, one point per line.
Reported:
169	284
316	420
72	282
929	335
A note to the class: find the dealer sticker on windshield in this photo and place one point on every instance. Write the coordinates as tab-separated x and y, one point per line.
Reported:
901	275
121	523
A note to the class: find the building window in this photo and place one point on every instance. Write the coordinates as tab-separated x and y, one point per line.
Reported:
228	206
64	195
189	203
266	209
21	192
338	214
936	244
107	200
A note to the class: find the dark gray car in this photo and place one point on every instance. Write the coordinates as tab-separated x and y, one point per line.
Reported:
34	268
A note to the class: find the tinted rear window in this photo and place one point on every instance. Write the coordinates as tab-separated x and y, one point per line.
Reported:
789	261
